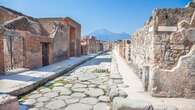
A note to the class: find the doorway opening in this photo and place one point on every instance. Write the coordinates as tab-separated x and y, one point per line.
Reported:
72	41
45	54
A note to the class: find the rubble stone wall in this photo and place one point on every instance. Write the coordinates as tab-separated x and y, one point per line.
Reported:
157	48
169	45
142	48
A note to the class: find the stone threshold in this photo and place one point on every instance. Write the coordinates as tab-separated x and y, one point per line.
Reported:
24	82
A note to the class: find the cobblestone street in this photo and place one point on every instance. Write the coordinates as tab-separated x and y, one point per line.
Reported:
84	88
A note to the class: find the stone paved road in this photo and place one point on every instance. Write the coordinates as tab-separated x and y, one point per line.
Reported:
85	88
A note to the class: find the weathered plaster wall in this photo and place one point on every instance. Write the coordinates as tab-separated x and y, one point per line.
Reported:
179	81
13	50
77	36
61	44
33	49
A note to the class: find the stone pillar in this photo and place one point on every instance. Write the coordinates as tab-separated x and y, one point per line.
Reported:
8	102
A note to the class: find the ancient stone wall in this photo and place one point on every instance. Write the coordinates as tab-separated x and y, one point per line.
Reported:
160	44
77	34
142	49
123	48
32	48
169	44
177	82
1	54
13	50
91	44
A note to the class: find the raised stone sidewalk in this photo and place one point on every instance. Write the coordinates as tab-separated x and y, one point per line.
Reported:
24	82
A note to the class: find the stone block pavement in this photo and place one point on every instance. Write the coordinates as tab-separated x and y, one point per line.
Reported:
84	88
20	83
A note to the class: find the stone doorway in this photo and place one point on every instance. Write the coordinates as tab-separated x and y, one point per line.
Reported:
72	41
45	54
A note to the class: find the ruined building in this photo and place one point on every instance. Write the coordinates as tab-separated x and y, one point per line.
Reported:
123	47
90	45
164	52
27	42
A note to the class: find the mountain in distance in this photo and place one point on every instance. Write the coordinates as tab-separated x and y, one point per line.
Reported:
106	35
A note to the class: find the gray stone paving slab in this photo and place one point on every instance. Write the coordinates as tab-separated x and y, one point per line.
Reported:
79	106
70	92
79	85
56	104
94	92
51	94
89	100
43	99
72	100
78	95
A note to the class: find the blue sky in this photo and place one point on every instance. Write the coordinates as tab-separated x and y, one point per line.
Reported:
115	15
